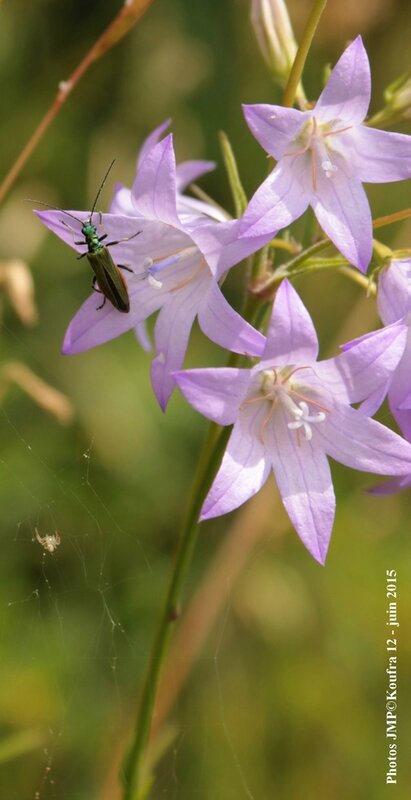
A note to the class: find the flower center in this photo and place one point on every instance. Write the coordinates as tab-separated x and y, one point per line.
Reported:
153	267
314	138
281	390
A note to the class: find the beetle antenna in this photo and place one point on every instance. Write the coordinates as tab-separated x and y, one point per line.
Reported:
54	208
101	187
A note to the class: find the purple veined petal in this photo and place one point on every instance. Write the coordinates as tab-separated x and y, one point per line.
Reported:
143	337
400	391
394	291
405	404
222	246
365	367
380	156
122	201
347	92
304	480
362	443
151	140
243	471
392	486
64	226
341	207
188	171
291	336
154	239
280	199
215	393
198	210
274	127
92	326
154	190
171	334
402	418
225	327
375	400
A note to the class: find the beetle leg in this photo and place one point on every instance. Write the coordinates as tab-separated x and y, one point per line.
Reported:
82	255
127	239
123	266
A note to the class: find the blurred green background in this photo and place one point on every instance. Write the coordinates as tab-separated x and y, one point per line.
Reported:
287	698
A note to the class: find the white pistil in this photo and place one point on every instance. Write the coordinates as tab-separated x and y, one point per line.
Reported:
149	271
151	268
303	420
328	168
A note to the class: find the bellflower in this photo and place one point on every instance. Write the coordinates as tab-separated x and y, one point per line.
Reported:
324	155
394	306
176	262
186	173
290	412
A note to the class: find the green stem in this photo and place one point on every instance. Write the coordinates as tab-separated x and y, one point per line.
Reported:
302	52
133	771
135	779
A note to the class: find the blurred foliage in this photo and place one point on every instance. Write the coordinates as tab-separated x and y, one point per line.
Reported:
288	697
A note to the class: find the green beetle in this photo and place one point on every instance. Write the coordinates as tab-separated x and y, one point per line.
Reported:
108	279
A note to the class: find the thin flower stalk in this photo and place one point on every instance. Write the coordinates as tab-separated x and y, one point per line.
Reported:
128	15
133	774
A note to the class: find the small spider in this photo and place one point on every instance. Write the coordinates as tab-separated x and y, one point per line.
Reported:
50	541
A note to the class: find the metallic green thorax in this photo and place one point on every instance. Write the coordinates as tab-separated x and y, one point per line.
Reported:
92	238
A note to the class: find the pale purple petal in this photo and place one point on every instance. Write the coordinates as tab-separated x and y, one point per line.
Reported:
122	201
348	89
92	325
275	127
365	367
400	391
154	190
341	207
215	393
171	335
67	225
221	245
303	477
243	471
143	337
291	336
192	206
155	239
380	156
362	443
151	141
227	328
375	400
394	291
392	486
280	199
188	171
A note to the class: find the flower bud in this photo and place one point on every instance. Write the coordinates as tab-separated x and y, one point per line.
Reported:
275	36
